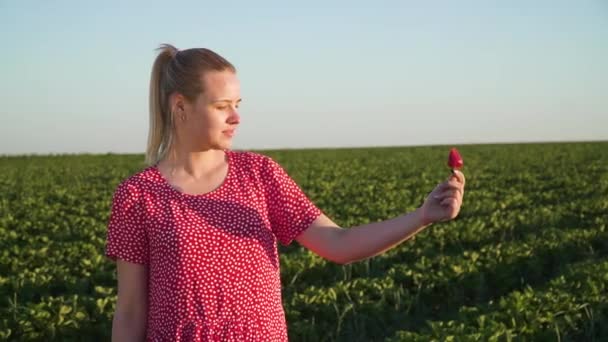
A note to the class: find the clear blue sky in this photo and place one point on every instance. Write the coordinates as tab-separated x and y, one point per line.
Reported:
75	74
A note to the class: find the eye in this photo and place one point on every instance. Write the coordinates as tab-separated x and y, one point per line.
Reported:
221	107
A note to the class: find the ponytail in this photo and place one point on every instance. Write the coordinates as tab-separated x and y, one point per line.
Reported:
160	133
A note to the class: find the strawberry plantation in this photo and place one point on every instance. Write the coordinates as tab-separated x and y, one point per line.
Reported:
526	260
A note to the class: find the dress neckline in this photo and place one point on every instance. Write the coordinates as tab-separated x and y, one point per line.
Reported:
217	190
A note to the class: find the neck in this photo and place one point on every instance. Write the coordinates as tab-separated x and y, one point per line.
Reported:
195	164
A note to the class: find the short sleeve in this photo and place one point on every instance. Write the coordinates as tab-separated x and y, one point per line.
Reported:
290	211
126	235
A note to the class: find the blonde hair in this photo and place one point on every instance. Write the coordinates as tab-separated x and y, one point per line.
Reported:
175	71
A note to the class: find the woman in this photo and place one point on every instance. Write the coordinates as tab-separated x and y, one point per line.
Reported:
194	235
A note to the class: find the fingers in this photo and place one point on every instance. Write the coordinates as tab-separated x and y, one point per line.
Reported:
451	192
449	201
458	176
448	193
451	185
451	197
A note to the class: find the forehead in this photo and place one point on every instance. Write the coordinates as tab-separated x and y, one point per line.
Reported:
221	84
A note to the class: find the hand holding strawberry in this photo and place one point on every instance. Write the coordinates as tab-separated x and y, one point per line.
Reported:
444	202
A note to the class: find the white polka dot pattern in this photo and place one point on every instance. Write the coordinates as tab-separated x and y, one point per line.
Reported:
213	263
289	208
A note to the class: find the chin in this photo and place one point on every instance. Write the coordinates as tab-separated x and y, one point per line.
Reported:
222	145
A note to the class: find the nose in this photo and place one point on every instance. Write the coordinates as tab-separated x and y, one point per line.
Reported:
235	117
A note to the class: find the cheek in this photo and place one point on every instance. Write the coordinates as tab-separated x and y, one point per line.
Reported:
217	120
209	125
203	120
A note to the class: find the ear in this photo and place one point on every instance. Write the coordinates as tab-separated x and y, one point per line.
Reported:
177	102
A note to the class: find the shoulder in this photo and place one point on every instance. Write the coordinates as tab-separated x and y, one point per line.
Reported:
253	161
259	168
134	185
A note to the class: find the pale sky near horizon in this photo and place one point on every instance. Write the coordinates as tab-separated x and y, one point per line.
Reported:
75	74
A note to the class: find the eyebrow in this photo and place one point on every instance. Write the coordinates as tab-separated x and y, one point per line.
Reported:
227	100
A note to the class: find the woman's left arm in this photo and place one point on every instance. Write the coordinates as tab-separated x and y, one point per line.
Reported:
345	246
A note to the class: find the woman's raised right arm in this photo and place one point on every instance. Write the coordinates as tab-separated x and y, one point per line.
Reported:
130	317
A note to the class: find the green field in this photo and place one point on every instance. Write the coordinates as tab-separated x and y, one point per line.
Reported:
526	260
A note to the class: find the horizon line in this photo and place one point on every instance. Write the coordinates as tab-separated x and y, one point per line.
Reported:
523	142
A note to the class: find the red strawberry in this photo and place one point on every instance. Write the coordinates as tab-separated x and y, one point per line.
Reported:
455	160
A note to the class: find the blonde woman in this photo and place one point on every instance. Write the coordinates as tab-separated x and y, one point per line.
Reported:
194	234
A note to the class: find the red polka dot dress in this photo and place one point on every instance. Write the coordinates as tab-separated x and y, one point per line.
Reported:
212	258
